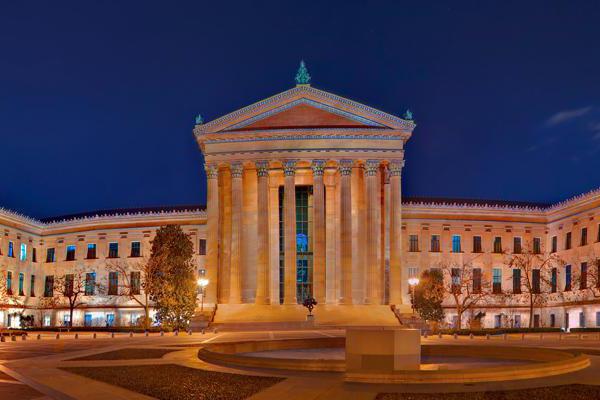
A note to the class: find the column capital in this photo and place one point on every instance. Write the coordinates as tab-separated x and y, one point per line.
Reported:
212	171
372	167
345	167
237	169
396	167
318	167
289	167
262	168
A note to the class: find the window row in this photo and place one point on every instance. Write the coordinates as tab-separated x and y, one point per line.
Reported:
88	287
568	243
477	247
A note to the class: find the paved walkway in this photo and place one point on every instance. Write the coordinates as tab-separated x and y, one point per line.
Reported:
30	369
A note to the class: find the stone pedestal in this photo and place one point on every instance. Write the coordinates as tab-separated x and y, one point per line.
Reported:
382	350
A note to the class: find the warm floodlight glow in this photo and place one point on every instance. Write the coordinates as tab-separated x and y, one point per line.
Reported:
413	281
202	282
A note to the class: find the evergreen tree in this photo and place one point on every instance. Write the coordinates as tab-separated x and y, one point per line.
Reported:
429	294
171	282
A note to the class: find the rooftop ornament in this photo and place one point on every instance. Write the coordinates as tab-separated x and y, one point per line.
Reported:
199	120
302	76
408	115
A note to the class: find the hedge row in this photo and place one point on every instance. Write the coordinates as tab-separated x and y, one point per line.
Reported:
499	331
585	329
135	329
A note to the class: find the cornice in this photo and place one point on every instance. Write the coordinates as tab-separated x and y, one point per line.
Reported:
296	93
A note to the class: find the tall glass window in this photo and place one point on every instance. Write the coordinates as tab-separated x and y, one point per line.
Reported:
456	244
9	282
435	243
50	255
516	281
90	283
32	286
136	249
304	245
23	255
113	283
113	250
413	243
11	249
497	280
567	278
517	245
49	286
476	244
21	284
497	244
71	252
537	245
91	251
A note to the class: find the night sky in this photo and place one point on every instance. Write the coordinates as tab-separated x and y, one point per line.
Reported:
98	99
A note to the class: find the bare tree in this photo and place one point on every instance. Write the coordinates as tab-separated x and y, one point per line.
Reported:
72	288
533	272
134	283
587	281
8	299
465	285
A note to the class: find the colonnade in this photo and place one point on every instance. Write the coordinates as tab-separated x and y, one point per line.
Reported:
336	245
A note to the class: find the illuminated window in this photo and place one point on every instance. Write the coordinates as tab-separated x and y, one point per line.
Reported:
23	256
70	253
497	280
456	244
90	283
91	251
9	282
11	249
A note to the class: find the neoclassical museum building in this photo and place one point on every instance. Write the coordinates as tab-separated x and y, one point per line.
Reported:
304	200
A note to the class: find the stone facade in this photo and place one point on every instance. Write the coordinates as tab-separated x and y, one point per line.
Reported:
304	199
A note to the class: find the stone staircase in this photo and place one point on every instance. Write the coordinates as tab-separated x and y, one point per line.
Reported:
410	320
202	319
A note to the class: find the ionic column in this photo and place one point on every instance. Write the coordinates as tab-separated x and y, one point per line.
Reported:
235	293
212	234
396	232
372	232
345	168
318	231
289	221
262	239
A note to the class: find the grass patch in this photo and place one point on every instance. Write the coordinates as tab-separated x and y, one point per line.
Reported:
175	382
126	354
571	392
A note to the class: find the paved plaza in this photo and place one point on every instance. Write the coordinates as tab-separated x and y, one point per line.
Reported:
35	368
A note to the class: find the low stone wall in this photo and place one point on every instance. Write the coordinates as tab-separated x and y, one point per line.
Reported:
544	362
229	354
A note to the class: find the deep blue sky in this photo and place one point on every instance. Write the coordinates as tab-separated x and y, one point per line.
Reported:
97	99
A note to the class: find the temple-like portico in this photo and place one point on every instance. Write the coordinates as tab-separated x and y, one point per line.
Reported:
304	200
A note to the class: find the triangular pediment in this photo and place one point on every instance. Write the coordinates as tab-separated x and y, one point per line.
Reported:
304	107
303	113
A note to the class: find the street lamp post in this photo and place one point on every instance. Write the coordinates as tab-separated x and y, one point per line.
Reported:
412	282
202	283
